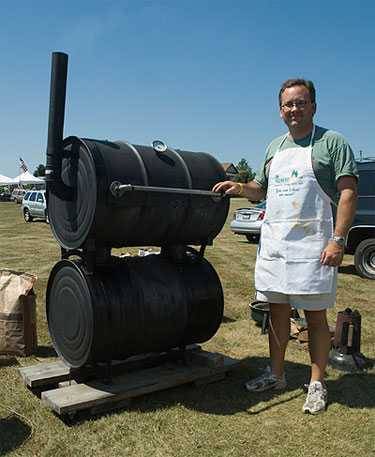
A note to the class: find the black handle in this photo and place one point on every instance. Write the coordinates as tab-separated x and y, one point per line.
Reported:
117	190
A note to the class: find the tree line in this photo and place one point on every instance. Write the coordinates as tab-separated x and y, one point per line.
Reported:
40	170
245	172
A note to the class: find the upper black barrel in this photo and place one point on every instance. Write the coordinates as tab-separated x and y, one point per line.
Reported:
89	211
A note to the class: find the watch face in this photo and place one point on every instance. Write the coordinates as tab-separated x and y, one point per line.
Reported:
159	146
340	240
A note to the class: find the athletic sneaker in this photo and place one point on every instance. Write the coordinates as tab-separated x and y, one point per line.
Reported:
316	401
266	381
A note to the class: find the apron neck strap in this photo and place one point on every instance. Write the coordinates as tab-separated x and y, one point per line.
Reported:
286	136
312	136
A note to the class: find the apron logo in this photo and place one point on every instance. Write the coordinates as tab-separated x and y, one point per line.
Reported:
280	180
292	179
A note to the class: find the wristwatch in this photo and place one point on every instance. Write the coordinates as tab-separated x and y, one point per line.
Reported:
340	240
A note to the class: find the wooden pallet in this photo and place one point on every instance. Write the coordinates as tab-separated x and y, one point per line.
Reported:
66	391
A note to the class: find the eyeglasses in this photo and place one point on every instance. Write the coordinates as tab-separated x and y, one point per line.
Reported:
299	104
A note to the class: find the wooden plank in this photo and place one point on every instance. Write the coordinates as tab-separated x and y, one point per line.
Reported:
92	394
49	373
70	382
45	373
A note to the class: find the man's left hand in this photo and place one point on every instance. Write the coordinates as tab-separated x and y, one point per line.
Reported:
332	254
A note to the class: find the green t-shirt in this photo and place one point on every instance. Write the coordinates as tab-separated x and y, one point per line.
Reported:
332	157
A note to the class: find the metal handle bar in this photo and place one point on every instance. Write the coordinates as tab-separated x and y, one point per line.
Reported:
117	189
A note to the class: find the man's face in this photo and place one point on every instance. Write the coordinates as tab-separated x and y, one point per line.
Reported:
296	109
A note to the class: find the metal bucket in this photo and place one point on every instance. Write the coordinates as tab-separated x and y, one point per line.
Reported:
260	312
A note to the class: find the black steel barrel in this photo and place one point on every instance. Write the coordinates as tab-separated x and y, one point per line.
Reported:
131	306
88	210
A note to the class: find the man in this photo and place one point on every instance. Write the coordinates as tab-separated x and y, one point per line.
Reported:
305	174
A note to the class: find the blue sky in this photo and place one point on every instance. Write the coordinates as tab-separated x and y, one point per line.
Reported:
202	75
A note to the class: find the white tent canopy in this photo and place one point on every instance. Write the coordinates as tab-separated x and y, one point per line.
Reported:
4	180
27	178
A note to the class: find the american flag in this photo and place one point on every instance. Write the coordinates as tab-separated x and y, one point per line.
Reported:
23	166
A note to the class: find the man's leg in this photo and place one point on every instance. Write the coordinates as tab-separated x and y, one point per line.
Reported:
319	343
278	335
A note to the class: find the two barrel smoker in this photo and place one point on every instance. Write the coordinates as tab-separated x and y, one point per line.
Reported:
104	195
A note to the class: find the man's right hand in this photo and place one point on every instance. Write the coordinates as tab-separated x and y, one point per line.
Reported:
228	187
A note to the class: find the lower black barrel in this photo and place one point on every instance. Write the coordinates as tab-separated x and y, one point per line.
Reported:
83	210
131	306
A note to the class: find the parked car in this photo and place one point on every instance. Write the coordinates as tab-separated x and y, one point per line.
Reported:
248	221
34	205
17	195
5	196
360	240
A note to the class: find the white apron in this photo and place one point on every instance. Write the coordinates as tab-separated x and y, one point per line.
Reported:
297	226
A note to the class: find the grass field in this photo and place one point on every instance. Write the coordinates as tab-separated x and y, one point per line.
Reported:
219	419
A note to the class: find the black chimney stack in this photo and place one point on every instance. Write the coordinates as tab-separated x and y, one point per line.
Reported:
59	68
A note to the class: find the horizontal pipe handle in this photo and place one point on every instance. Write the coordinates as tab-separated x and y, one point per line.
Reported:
117	189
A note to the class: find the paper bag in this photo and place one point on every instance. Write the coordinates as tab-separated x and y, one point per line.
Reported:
17	313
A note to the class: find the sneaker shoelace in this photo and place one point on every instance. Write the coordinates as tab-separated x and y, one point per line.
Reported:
315	393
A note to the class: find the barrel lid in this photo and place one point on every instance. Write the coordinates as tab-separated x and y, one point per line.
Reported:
69	313
71	219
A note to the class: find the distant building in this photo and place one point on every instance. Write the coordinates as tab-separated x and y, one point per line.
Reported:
230	170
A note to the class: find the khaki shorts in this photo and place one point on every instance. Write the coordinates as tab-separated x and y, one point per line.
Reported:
313	302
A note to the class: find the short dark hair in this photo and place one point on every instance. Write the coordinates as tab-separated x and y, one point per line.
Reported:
298	82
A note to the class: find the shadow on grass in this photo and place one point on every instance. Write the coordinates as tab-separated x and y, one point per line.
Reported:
229	396
348	270
13	432
353	390
225	397
246	241
45	352
8	361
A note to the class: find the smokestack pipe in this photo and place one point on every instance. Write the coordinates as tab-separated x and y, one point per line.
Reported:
59	69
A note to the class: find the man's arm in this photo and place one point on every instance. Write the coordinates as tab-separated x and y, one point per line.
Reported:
347	186
251	190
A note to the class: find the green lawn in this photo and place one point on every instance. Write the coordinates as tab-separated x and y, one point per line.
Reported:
219	419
